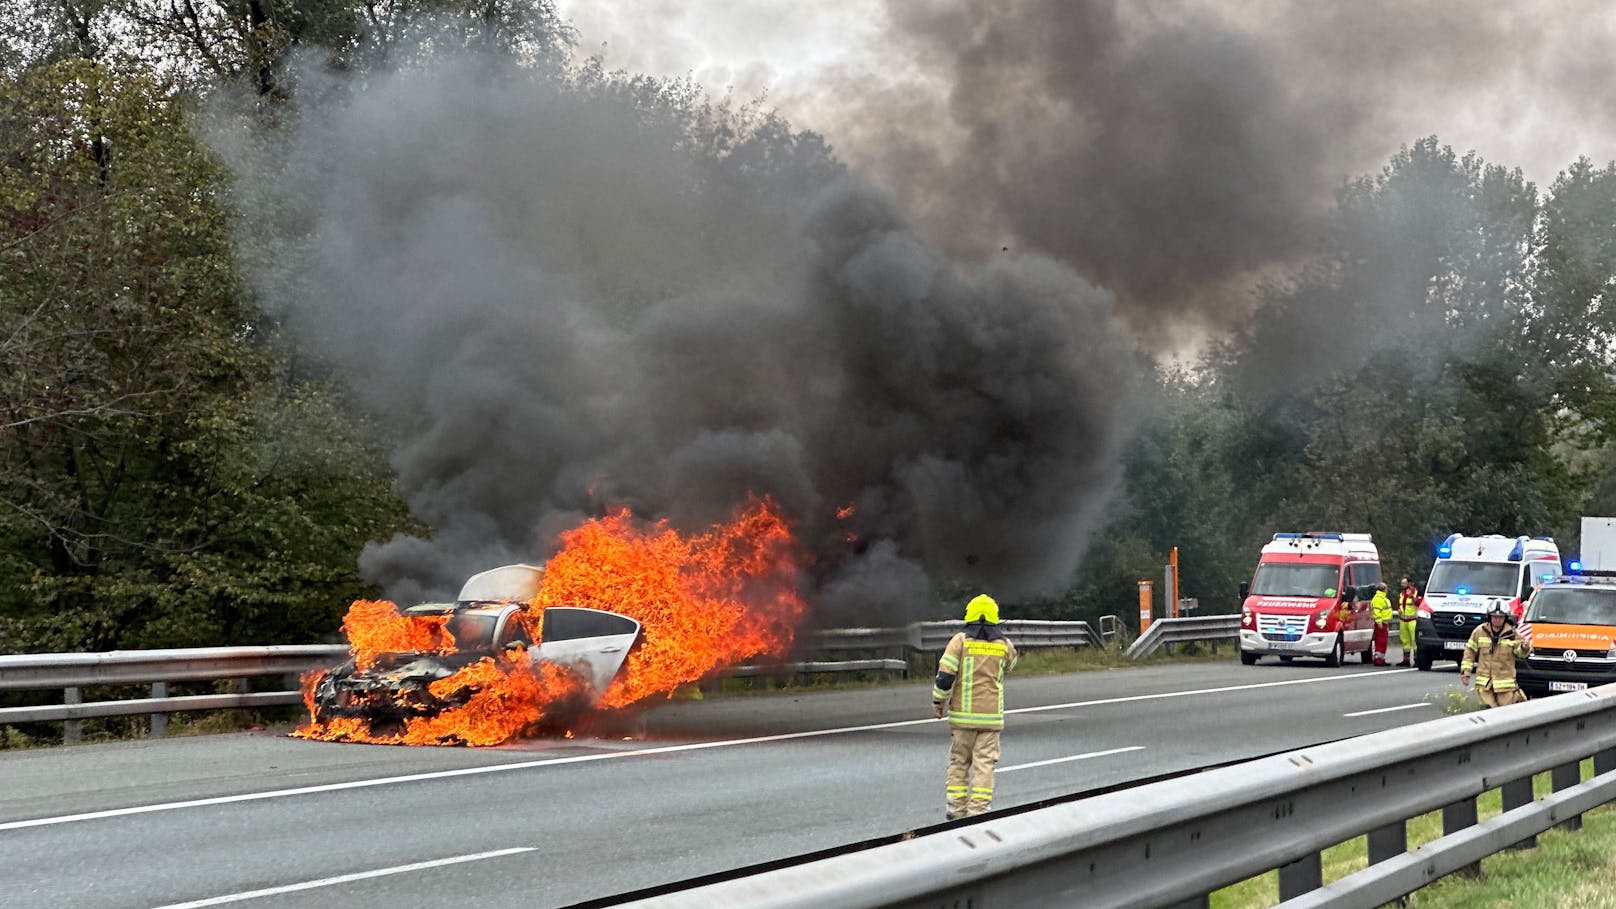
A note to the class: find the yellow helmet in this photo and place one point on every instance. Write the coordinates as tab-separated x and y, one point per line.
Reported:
982	607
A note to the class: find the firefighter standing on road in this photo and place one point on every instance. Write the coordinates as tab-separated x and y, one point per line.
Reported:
1380	608
1490	655
970	691
1408	611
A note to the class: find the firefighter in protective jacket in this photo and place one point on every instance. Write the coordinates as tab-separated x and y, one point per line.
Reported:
970	691
1490	655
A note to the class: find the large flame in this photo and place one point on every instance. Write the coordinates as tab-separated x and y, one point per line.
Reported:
705	602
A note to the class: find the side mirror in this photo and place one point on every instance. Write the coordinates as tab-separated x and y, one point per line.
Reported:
1245	591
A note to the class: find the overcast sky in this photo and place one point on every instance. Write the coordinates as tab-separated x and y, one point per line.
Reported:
1174	151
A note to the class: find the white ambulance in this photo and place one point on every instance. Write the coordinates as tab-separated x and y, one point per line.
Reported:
1470	576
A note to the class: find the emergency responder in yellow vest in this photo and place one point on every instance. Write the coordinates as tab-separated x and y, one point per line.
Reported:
1408	611
1380	609
970	691
1490	655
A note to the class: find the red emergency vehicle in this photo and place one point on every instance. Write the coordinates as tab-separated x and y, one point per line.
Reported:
1294	605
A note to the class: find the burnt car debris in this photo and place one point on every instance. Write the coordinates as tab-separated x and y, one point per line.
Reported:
487	619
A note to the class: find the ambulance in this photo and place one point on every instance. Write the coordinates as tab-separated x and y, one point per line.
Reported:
1573	620
1470	576
1294	607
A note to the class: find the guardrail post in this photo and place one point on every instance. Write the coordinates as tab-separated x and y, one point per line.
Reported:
1302	876
1564	777
1517	793
1456	817
1604	761
159	721
72	730
1388	842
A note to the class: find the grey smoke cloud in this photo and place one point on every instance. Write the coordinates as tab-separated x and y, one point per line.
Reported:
1176	152
559	299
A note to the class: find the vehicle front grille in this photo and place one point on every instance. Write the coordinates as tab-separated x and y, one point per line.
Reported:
1282	627
1445	627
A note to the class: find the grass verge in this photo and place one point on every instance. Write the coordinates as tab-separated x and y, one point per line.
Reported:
1570	869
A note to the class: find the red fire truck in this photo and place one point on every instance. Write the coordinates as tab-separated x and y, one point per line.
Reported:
1294	605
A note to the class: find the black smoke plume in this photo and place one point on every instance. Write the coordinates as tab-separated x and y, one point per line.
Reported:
564	292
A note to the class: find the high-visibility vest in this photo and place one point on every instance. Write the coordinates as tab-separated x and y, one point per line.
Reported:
970	677
1408	604
1380	607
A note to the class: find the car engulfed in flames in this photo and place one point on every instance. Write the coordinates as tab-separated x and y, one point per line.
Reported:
621	616
477	655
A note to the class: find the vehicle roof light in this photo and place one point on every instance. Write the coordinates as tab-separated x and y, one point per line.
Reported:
1574	566
1446	549
1520	547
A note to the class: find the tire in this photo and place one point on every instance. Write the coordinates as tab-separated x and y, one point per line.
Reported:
1249	659
1337	655
1368	654
1423	660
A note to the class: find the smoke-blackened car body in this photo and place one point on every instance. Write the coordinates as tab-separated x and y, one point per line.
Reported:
490	622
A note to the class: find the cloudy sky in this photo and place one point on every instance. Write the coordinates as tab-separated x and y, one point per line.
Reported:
1174	151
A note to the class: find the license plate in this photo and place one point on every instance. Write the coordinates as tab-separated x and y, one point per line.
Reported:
1284	645
1567	686
1453	645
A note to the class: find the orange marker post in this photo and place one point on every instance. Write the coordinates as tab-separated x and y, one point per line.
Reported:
1144	606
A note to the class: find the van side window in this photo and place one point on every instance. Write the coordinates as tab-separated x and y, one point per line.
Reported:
1368	575
1349	581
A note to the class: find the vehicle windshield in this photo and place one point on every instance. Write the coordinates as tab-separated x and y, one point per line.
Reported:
1569	606
472	631
1288	579
1493	579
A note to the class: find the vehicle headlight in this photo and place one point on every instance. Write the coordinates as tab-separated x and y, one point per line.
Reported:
1321	620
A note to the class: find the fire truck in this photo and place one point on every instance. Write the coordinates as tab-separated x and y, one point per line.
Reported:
1294	605
1470	576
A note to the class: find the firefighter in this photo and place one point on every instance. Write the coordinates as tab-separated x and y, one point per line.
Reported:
1380	609
1494	668
1408	611
970	692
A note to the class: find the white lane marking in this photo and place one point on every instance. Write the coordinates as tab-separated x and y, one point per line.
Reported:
345	878
613	755
1389	709
1075	757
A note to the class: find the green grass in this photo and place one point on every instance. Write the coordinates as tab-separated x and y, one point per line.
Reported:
1566	869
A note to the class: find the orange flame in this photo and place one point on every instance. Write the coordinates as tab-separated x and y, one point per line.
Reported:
704	602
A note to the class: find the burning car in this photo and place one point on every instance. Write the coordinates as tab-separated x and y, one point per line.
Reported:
463	649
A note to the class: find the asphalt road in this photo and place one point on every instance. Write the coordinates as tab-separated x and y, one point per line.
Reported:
687	789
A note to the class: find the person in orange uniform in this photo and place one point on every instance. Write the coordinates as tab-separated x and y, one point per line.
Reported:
969	690
1380	609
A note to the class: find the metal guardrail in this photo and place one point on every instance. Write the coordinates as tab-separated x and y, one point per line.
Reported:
1173	843
71	672
1184	630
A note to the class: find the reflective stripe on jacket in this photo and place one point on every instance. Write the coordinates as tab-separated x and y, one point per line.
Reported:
1380	607
970	677
1492	661
1408	605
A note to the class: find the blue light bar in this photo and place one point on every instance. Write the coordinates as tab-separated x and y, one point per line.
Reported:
1287	536
1462	591
1446	549
1574	567
1520	546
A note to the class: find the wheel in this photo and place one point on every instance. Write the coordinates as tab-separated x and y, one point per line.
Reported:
1249	659
1338	654
1423	660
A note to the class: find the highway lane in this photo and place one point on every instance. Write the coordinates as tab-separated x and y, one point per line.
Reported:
695	788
